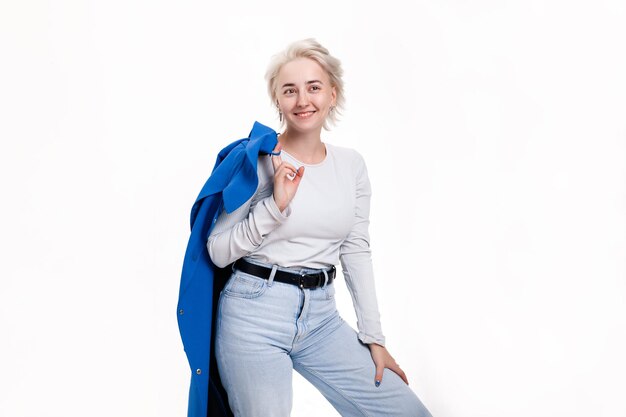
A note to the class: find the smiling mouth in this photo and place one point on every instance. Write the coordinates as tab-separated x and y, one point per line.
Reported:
304	114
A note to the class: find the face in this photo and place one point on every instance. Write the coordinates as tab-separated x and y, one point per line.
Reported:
304	94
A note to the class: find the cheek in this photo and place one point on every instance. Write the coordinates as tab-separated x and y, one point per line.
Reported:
285	104
323	101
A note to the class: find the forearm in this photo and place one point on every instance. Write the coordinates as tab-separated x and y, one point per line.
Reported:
229	242
359	275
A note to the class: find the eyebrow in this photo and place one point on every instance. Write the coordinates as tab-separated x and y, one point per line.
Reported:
308	82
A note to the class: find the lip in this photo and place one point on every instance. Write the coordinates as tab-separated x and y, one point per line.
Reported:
304	114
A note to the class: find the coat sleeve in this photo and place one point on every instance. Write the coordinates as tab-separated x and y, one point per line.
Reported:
356	261
239	233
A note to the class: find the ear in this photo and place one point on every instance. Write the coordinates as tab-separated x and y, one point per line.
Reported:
334	96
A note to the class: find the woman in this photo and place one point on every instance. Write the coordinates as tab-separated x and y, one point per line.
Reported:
277	312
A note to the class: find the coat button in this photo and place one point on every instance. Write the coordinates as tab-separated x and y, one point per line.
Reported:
198	371
181	311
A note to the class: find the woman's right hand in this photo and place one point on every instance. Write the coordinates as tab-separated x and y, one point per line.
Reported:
286	179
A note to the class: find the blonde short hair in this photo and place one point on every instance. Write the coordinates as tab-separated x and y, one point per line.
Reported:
309	48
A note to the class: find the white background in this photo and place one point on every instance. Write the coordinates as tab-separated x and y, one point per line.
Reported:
495	137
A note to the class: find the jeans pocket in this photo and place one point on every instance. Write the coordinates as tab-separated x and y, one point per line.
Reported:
242	285
330	291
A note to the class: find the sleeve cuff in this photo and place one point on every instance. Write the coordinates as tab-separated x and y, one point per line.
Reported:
367	339
270	203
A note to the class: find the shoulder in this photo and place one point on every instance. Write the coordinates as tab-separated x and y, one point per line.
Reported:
348	157
343	151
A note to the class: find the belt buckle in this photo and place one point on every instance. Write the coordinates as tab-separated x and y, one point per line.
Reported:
302	276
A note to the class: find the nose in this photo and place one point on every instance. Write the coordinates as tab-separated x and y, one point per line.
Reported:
303	99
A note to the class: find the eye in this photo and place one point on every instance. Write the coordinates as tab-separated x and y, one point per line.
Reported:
315	88
289	91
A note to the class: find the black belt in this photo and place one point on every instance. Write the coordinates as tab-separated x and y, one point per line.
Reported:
310	280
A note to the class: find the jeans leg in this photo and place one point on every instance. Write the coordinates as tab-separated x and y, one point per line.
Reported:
253	338
341	368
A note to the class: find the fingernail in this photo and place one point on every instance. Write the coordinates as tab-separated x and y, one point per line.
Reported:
377	383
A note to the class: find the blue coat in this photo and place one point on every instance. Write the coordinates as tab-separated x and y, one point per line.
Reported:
232	182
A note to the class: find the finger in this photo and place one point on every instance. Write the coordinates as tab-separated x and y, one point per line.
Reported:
276	159
396	368
299	175
285	166
285	171
379	375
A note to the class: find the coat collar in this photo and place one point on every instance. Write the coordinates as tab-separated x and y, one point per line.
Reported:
235	171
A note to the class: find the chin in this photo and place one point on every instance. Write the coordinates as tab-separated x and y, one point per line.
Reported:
306	127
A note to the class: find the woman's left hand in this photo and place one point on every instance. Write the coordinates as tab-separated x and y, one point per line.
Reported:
382	359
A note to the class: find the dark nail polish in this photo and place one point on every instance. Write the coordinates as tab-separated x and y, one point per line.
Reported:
377	383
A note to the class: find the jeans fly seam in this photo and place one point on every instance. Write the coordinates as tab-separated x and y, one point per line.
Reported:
296	335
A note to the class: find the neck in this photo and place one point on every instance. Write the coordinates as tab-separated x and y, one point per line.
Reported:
304	146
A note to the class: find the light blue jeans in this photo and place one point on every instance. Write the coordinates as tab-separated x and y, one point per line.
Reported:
265	329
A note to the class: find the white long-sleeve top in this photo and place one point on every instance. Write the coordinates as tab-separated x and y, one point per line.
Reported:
326	222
